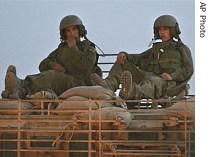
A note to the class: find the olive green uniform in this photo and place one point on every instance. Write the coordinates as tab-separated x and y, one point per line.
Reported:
171	57
78	61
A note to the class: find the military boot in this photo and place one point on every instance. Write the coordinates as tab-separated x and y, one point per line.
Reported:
109	82
12	69
129	90
13	85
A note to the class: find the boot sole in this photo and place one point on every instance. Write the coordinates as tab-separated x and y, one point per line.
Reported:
126	82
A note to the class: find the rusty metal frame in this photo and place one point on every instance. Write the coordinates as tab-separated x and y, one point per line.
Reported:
56	131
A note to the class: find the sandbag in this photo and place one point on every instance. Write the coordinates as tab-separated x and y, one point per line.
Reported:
10	107
111	118
108	113
94	92
79	103
184	108
43	95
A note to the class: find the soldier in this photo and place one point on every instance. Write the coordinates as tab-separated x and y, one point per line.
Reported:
67	66
162	70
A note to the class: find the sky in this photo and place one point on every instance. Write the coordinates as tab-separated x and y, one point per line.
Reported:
29	30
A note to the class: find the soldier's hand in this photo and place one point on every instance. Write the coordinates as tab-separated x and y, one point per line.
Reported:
121	57
166	76
58	67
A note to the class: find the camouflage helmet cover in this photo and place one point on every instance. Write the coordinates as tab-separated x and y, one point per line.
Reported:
70	20
167	21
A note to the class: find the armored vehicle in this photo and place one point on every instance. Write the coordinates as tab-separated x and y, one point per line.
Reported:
95	122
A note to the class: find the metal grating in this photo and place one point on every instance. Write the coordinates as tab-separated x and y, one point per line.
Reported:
97	133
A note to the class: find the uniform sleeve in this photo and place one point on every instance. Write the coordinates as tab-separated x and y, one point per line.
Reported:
83	58
186	70
141	60
46	64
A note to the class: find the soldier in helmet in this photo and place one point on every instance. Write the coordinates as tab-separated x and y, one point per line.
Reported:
160	71
68	66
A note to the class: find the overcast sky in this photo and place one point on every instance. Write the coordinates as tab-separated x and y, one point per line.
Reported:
29	30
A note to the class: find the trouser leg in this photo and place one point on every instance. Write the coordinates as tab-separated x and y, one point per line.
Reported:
112	81
137	74
57	81
150	87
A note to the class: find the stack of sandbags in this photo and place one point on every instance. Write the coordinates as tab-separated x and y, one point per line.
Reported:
95	108
107	118
14	107
96	105
77	104
83	98
94	93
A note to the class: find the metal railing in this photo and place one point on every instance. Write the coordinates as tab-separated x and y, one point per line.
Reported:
36	128
44	131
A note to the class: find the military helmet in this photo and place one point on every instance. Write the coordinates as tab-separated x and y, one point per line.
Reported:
72	20
167	21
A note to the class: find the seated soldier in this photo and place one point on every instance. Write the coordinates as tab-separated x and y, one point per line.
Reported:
68	66
161	71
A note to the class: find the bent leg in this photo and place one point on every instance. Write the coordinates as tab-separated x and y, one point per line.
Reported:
13	85
57	81
150	87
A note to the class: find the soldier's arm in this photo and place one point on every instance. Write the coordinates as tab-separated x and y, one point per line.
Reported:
186	70
47	63
83	59
139	60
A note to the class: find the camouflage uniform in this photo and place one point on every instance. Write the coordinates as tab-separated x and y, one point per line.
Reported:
143	71
77	61
169	57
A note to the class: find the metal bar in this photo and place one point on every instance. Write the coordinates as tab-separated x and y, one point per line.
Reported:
50	132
